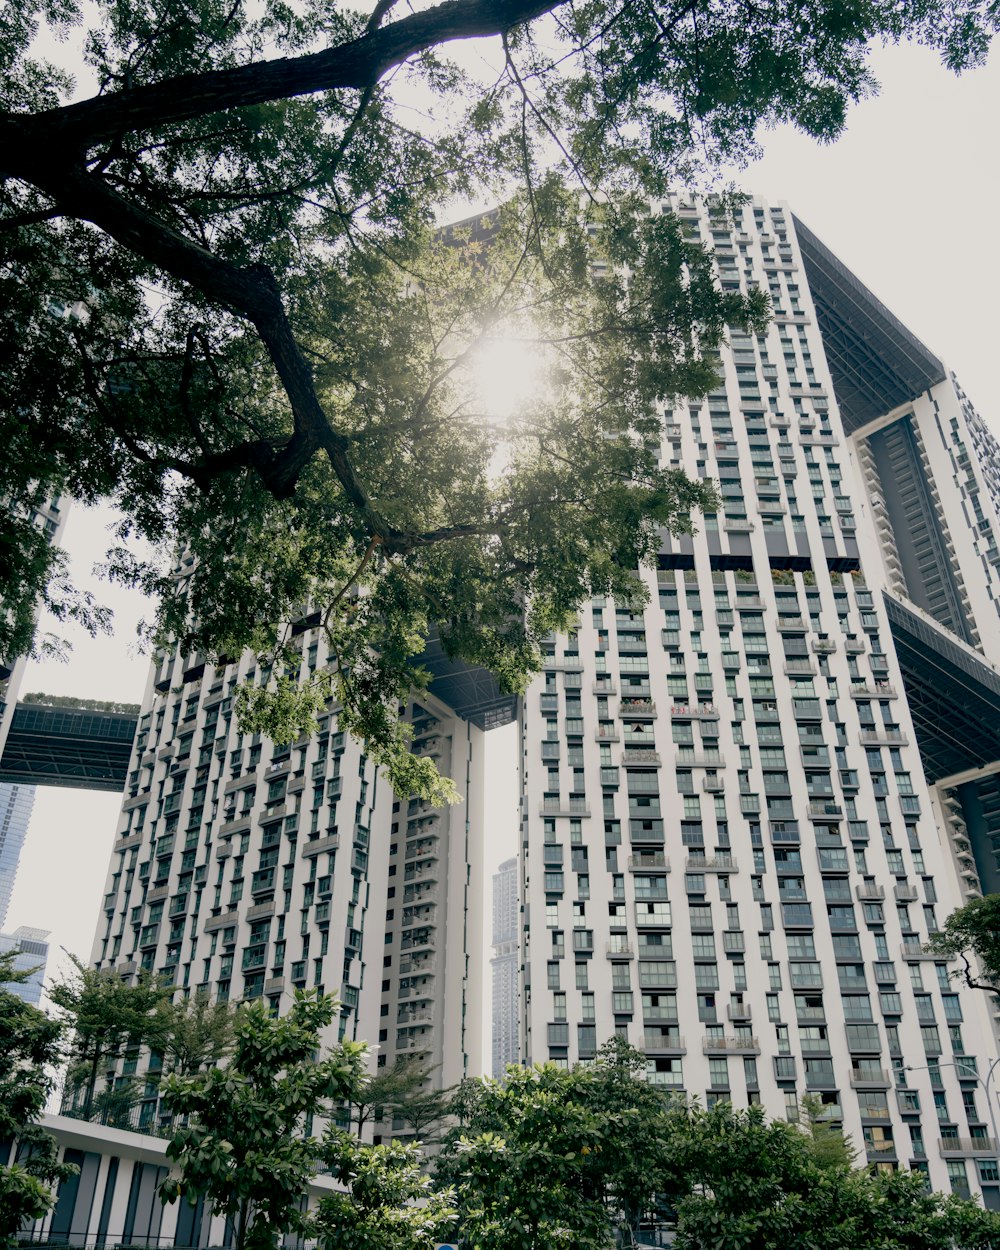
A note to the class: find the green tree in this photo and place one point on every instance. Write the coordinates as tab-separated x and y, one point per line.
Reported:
632	1112
830	1148
973	933
424	1111
226	309
246	1144
736	1181
29	1049
194	1032
549	1158
389	1203
107	1016
384	1090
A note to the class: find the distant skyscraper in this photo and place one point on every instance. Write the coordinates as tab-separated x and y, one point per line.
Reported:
32	953
16	801
15	813
749	802
504	964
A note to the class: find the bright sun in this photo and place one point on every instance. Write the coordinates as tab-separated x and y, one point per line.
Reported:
507	373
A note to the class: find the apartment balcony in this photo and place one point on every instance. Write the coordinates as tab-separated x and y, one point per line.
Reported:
969	1147
905	893
713	785
824	646
738	1012
631	709
707	759
870	893
606	735
564	807
731	1045
874	690
657	1043
711	863
824	811
702	711
616	950
800	668
419	966
915	950
125	844
642	757
316	846
883	738
648	862
792	624
737	525
871	1078
653	915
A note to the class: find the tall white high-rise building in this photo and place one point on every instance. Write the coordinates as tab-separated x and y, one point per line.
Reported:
249	870
738	796
504	966
16	803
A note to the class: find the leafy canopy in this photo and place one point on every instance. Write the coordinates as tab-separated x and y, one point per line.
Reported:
388	1202
587	1157
227	309
29	1051
106	1016
245	1143
973	932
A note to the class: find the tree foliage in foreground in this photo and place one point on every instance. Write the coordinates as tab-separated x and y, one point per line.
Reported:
225	307
388	1201
585	1157
247	1145
106	1016
973	933
29	1050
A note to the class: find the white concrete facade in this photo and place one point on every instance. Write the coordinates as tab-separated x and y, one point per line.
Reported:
247	870
729	851
114	1199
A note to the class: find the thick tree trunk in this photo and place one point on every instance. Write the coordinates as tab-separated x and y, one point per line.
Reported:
88	1101
357	64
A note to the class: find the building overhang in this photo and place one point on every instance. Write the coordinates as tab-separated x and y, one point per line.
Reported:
876	363
68	746
84	749
954	698
472	692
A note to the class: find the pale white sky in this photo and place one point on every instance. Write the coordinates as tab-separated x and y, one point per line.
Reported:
907	199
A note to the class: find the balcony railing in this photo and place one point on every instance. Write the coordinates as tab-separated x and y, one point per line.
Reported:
711	863
967	1145
738	1045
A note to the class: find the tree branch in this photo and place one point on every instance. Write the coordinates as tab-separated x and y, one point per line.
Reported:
359	63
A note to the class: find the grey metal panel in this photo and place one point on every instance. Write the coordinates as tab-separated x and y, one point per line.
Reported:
86	1190
109	1197
76	747
876	363
953	697
776	542
62	1216
739	544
